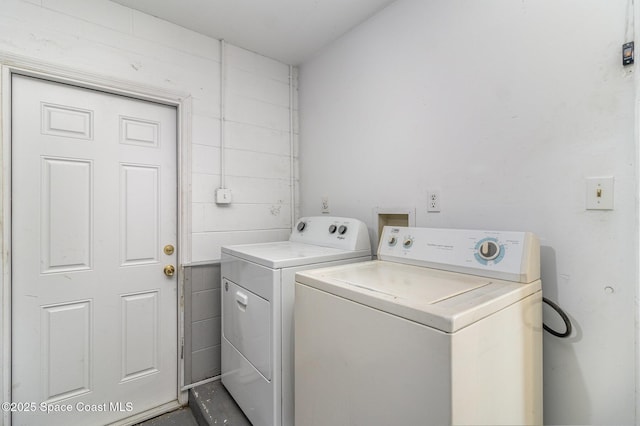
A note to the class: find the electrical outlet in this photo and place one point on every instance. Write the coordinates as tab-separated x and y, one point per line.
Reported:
325	205
433	201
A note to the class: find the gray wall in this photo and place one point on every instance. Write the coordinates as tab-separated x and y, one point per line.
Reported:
202	322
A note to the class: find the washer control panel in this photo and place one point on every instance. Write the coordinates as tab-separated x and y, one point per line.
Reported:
509	255
339	232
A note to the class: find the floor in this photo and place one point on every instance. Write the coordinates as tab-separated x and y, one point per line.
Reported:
209	404
181	417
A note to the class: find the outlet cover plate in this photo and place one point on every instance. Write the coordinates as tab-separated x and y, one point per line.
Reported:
433	201
325	205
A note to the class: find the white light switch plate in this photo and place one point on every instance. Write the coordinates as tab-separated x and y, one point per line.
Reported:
600	193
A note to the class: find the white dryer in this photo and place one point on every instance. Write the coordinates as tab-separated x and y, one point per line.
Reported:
257	310
444	328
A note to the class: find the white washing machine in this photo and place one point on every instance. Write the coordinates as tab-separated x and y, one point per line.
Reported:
257	310
444	328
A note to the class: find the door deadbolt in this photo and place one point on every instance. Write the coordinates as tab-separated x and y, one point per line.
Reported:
169	270
169	249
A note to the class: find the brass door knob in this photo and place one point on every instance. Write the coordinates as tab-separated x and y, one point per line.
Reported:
169	270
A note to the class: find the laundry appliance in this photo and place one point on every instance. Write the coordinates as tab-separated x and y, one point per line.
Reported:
257	310
444	328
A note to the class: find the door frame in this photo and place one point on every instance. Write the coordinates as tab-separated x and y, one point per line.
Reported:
16	65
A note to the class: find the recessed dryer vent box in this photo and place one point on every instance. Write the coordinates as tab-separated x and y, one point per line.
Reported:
393	217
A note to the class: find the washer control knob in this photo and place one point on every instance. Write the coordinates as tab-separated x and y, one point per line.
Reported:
489	250
407	243
342	230
393	241
332	229
301	226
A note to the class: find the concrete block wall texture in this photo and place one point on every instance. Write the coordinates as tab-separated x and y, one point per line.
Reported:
113	42
257	160
106	39
202	322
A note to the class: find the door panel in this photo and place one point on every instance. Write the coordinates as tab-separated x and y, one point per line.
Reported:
66	350
139	212
66	215
67	121
140	352
94	200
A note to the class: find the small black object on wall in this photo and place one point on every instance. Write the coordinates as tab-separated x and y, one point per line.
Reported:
627	53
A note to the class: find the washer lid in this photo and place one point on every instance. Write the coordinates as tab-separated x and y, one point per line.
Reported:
447	301
286	254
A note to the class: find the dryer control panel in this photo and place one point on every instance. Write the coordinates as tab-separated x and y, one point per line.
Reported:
329	231
507	255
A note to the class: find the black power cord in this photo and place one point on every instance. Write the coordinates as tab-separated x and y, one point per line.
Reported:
565	318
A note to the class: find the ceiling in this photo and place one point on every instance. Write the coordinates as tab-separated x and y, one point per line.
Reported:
290	31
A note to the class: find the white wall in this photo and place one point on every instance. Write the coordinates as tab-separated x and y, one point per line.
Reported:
505	107
103	38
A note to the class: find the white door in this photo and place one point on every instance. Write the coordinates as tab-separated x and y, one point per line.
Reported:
93	204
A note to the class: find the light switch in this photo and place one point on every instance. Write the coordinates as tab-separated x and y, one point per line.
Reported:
600	193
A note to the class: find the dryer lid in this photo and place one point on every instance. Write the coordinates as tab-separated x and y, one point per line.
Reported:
286	254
